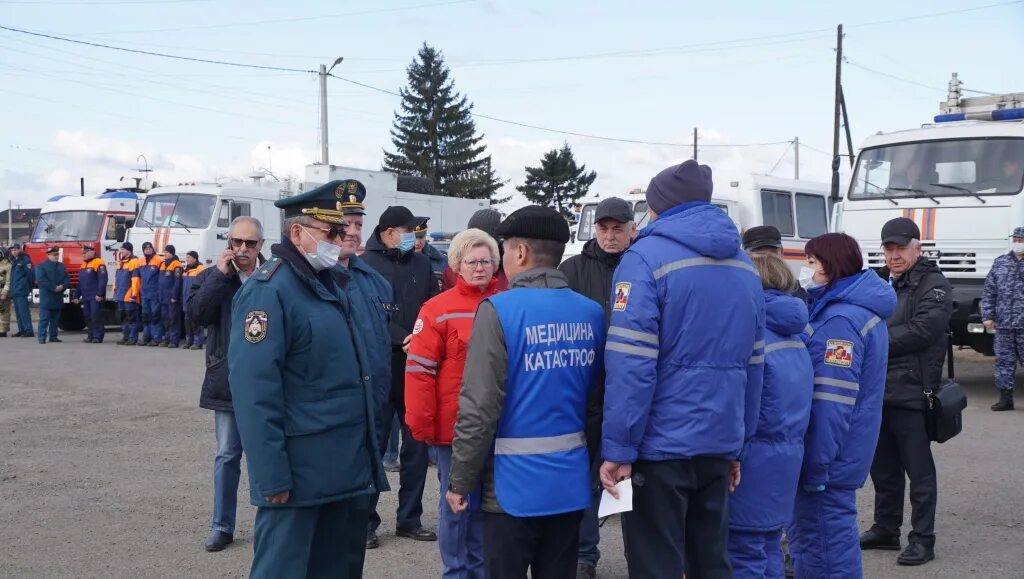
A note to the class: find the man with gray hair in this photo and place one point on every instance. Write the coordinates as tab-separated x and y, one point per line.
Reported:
209	304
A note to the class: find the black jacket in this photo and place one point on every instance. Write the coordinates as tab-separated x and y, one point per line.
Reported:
412	279
209	304
917	334
590	274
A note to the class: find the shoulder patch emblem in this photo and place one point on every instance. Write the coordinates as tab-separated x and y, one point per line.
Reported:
255	328
839	353
418	327
622	296
940	295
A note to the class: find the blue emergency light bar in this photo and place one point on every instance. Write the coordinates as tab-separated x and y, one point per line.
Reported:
997	115
118	195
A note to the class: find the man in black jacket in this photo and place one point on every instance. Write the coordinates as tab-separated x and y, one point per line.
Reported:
918	331
391	251
590	274
209	304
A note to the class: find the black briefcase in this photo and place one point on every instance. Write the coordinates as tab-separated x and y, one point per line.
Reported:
945	405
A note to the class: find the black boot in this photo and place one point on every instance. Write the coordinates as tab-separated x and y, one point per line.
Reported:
1005	401
916	554
876	539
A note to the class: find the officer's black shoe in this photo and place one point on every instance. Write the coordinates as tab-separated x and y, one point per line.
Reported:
218	540
875	539
417	534
916	554
1005	401
28	335
585	571
56	340
372	542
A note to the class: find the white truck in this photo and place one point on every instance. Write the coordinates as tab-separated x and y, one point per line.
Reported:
383	189
960	179
799	209
196	217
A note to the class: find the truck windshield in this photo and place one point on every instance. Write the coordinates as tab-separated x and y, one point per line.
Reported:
982	166
182	210
67	226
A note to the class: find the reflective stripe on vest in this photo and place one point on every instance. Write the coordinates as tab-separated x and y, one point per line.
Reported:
540	445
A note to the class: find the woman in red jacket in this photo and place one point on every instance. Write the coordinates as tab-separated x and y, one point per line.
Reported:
433	378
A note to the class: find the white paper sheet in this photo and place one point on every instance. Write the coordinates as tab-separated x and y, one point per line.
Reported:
611	505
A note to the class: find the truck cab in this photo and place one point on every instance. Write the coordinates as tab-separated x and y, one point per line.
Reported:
960	179
68	222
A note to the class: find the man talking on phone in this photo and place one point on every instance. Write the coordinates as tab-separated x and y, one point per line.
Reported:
209	304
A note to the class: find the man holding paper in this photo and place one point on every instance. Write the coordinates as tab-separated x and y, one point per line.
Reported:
685	363
533	358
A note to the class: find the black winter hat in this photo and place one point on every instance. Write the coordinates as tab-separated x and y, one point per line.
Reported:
194	255
170	249
486	220
535	222
761	236
146	244
128	245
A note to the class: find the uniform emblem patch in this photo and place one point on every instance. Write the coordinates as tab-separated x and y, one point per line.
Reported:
418	327
255	328
839	353
622	295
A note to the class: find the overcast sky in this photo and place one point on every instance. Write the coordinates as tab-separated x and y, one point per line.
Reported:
743	72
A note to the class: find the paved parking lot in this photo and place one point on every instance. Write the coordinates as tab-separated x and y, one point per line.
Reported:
105	468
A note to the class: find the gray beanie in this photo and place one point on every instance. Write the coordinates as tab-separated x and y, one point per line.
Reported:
683	183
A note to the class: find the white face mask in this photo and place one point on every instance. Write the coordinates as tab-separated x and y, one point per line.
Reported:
1017	248
326	255
807	278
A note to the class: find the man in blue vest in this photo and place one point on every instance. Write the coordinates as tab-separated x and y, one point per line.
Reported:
534	356
304	401
92	291
52	279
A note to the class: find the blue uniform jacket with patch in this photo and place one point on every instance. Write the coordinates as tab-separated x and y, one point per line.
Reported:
771	466
299	378
1003	297
49	275
684	357
21	276
849	347
372	303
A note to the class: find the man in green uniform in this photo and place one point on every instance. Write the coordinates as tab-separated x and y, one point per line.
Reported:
304	402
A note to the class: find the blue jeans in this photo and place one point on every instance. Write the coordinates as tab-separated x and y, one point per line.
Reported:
460	537
226	471
23	314
48	319
411	478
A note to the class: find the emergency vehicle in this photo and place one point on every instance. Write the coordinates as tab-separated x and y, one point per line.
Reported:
68	222
196	216
799	209
960	179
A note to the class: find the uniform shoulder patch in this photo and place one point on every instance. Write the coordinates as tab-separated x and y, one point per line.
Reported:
255	328
418	327
839	353
267	270
622	295
939	295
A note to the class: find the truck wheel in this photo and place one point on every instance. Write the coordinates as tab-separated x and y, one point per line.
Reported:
71	318
411	184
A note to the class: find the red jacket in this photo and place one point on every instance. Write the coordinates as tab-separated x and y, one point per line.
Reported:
437	356
448	277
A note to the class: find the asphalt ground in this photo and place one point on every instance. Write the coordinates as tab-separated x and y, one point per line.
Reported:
106	462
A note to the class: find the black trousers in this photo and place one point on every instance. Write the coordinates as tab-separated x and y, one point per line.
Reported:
679	521
904	451
544	546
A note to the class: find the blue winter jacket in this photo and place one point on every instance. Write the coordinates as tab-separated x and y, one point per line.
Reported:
22	276
372	303
49	275
1002	300
683	358
849	347
771	467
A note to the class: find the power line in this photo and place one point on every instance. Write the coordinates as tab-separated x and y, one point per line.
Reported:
97	2
781	157
909	81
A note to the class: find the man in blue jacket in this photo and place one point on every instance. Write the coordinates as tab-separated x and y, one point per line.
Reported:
52	279
21	286
304	401
151	331
92	292
685	361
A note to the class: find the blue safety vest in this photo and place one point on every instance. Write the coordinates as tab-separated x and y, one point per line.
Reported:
555	342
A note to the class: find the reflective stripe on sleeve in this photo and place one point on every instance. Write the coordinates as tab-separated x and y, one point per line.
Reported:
425	361
637	350
809	330
837	383
414	369
540	445
834	398
633	335
871	323
700	261
444	317
786	344
756	360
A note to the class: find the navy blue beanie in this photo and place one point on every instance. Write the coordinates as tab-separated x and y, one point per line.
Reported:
683	183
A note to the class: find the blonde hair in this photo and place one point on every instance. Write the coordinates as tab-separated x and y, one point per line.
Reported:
773	272
467	240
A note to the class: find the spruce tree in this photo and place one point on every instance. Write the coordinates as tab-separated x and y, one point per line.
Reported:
434	134
558	182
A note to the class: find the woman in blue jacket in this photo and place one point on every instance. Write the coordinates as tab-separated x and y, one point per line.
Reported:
849	347
763	503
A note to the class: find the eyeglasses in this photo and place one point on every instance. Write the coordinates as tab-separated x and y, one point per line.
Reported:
333	232
249	243
475	263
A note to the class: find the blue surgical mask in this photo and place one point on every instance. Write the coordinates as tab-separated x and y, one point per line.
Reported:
406	242
807	279
326	255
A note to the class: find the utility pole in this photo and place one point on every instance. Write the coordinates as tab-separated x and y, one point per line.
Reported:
796	157
838	112
10	224
324	71
694	143
82	186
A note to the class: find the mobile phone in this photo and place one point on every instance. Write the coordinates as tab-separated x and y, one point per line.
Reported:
232	260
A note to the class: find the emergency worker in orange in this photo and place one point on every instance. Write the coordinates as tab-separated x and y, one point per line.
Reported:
92	292
433	380
127	285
